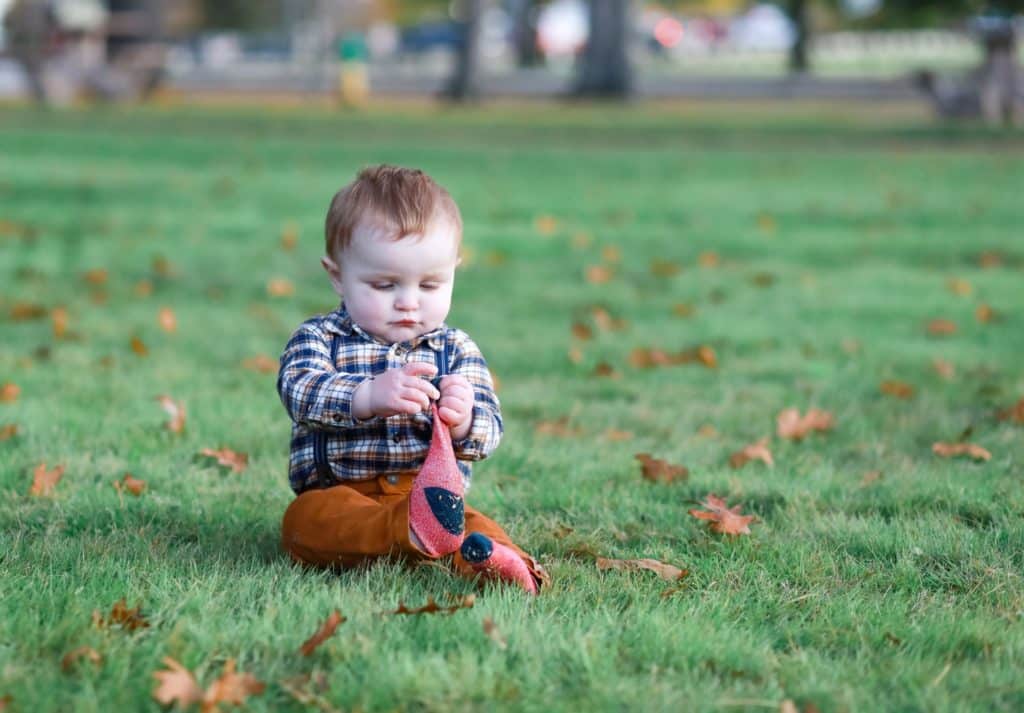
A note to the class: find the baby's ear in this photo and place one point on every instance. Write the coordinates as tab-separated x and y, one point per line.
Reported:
333	272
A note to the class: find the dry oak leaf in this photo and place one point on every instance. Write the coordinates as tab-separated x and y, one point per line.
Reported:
289	236
985	314
665	571
24	311
754	451
606	370
120	614
941	327
611	253
132	485
582	331
167	320
9	392
949	450
491	630
280	287
604	320
959	286
899	389
614	435
943	368
790	424
261	363
723	519
325	631
82	652
664	268
174	409
59	316
97	276
44	481
176	684
432	607
659	470
227	457
1015	413
8	430
598	274
139	347
545	224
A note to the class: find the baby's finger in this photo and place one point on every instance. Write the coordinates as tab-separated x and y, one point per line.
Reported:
426	387
419	368
448	416
417	397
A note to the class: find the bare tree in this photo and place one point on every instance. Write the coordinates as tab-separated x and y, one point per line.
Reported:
464	84
605	70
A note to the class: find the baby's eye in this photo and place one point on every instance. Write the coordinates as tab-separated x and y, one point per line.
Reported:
429	286
381	285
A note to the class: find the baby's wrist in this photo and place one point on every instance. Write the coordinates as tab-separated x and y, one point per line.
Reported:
361	401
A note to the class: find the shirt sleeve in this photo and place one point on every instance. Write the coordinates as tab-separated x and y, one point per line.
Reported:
313	391
486	429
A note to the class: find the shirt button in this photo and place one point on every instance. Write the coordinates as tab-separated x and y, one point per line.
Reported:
336	417
397	437
393	479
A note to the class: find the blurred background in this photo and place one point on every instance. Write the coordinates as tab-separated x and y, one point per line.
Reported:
959	57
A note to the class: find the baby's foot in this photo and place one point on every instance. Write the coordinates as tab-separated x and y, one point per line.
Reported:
436	517
494	560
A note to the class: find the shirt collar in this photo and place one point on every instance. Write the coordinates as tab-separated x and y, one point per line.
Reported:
340	322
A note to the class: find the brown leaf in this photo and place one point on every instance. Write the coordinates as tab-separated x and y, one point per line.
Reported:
176	684
665	571
261	363
491	630
6	700
899	389
289	236
615	435
582	331
959	287
25	311
9	392
1015	413
176	410
606	370
789	423
709	259
545	224
82	652
139	347
949	450
167	320
664	268
605	321
432	607
59	317
611	253
985	314
683	309
645	358
941	327
325	631
129	619
659	470
143	288
755	451
575	355
989	259
44	481
723	519
8	430
598	274
97	276
559	427
870	477
132	485
581	239
943	368
227	457
280	287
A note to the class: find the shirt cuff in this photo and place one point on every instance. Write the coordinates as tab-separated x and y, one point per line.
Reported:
472	446
336	409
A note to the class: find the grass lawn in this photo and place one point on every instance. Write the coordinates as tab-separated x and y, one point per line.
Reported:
814	247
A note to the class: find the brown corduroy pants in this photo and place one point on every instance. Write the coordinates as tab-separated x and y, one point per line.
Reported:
348	524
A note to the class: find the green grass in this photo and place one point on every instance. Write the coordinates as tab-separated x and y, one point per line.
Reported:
904	594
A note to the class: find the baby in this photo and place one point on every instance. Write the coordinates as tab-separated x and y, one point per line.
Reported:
380	451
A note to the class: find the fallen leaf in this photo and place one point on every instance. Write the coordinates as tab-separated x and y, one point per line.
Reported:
280	287
129	619
615	435
870	477
665	571
231	688
1015	413
664	268
598	274
261	363
176	684
645	358
495	258
59	317
723	520
132	485
44	481
943	368
289	236
82	652
684	310
162	266
575	355
143	288
754	451
949	450
899	389
659	470
545	224
25	311
297	688
611	253
709	259
9	392
581	239
604	320
707	431
959	287
97	276
491	630
941	327
559	428
8	430
985	314
606	370
432	607
227	457
174	409
325	631
789	423
990	259
582	331
167	320
6	700
139	347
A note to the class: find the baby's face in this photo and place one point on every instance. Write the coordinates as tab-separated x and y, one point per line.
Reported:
397	290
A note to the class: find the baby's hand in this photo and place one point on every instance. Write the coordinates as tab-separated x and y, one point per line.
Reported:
401	390
456	405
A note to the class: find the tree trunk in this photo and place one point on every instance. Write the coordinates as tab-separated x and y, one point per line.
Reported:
605	70
465	81
524	33
998	88
798	63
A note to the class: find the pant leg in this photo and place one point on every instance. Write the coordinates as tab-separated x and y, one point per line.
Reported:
478	522
342	527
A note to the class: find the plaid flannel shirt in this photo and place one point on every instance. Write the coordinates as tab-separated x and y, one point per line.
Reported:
317	393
